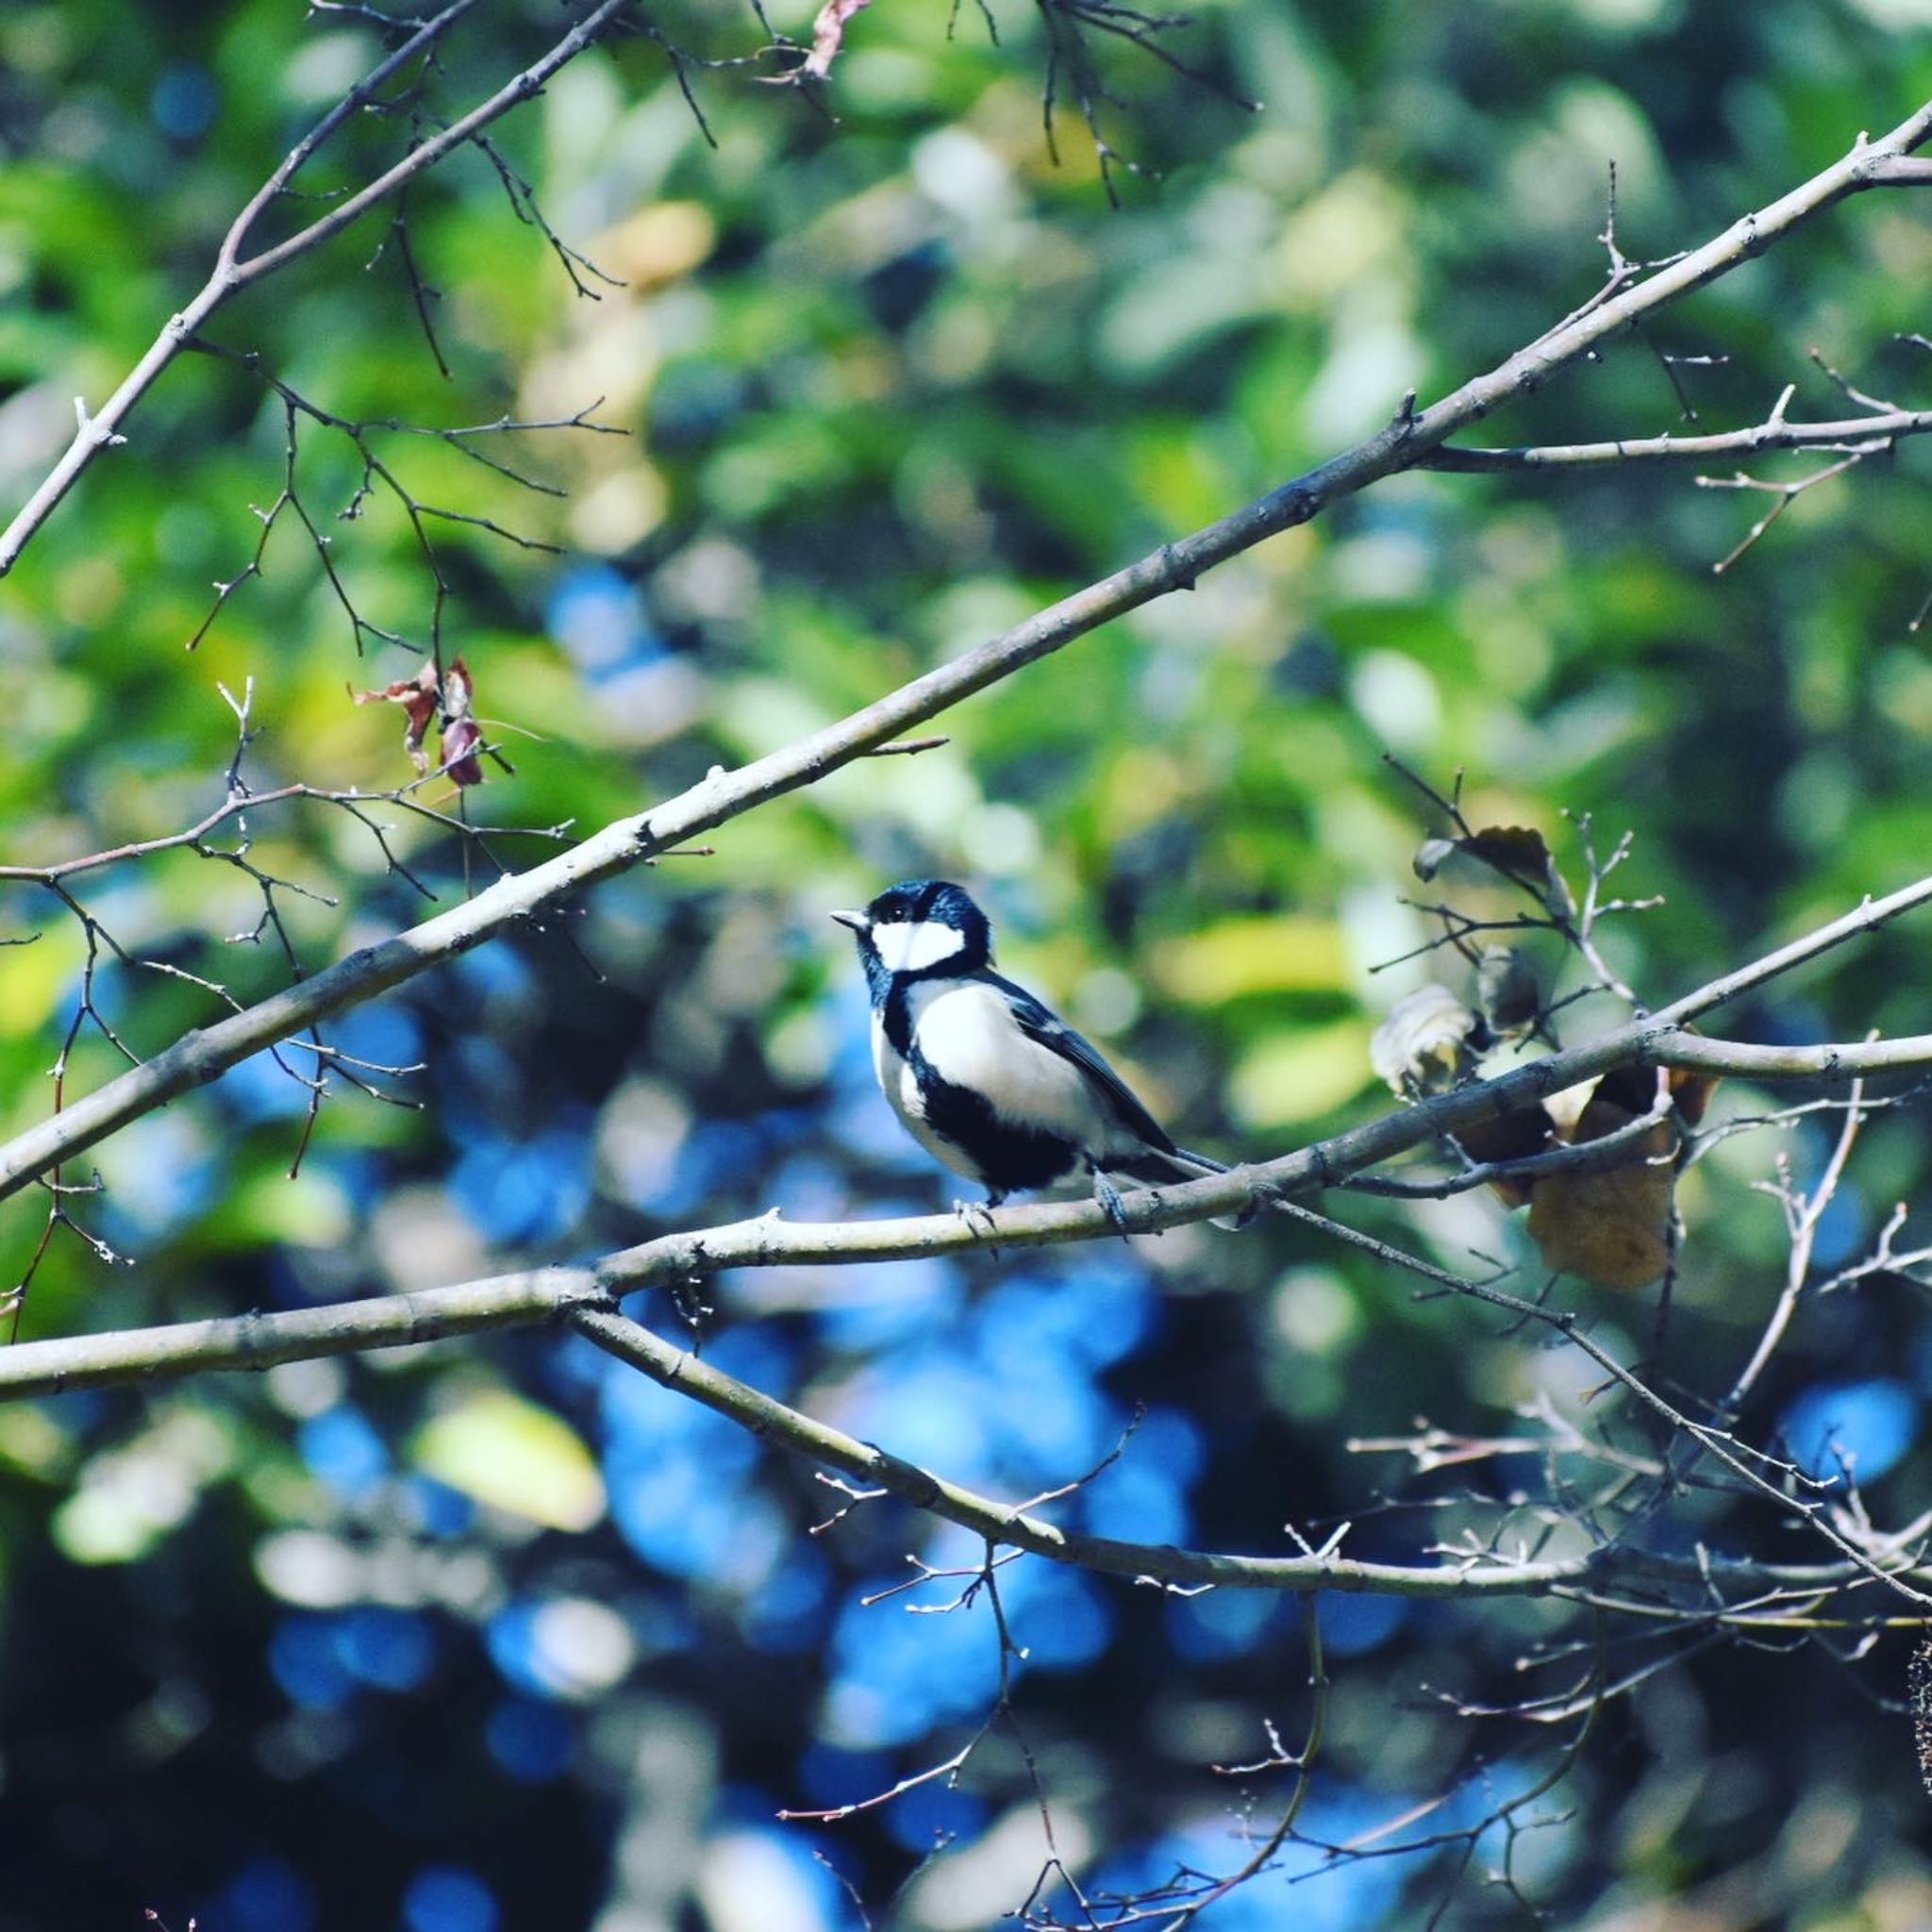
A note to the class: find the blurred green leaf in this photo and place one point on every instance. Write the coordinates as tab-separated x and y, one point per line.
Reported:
499	1449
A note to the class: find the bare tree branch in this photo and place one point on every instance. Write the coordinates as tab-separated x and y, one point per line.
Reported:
1853	435
259	1341
233	273
582	1297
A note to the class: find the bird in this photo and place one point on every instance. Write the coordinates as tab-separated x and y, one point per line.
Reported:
986	1077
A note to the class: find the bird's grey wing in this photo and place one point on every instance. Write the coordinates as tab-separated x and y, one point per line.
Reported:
1039	1023
1162	1160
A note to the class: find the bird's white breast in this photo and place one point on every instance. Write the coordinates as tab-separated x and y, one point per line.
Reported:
901	1089
967	1035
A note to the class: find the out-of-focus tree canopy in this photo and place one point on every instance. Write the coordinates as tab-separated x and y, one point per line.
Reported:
494	1633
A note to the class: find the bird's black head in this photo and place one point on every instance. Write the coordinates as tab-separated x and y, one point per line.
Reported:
919	929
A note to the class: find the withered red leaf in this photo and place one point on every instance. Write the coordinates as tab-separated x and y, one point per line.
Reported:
462	740
828	36
461	735
418	697
422	699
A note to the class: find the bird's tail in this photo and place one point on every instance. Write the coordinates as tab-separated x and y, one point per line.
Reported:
1153	1166
1206	1162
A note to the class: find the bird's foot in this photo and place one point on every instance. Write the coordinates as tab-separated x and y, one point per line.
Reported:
1109	1198
978	1215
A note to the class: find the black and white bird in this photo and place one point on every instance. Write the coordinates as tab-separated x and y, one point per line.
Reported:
983	1075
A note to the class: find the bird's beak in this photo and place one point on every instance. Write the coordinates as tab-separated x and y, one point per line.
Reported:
856	921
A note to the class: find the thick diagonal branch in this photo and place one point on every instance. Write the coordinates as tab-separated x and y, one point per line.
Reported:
259	1341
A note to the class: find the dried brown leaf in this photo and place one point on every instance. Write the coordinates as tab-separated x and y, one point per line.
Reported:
1424	1046
1691	1091
1517	852
1609	1229
1508	991
1512	1136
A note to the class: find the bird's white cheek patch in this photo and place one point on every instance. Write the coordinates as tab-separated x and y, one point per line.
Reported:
910	945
